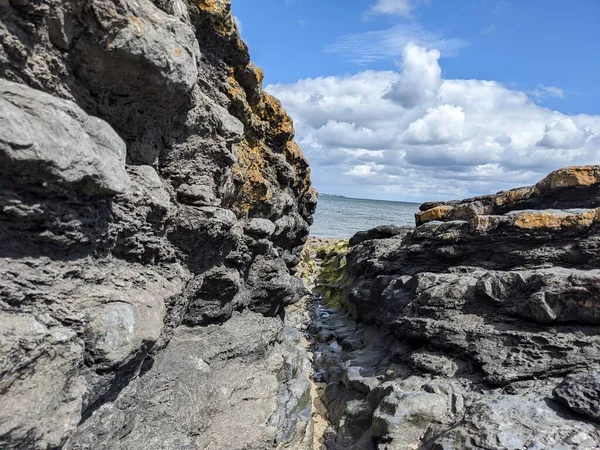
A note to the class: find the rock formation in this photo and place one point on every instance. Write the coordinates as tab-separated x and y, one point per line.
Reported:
478	329
152	209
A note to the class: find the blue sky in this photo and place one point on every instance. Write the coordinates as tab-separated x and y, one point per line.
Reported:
416	99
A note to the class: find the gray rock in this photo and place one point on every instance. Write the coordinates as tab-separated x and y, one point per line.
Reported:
380	232
434	363
407	417
259	227
53	141
517	421
581	392
135	143
493	304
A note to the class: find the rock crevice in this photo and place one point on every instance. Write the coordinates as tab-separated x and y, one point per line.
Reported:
477	329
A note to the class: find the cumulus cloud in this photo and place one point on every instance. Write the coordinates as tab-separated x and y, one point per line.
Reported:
420	79
410	134
542	92
563	133
440	125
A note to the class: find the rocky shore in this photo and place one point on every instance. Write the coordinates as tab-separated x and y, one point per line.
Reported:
153	206
477	329
156	291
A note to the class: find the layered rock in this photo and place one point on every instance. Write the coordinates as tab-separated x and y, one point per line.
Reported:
489	316
151	191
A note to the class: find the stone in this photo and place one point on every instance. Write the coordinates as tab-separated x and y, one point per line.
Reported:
136	142
492	302
407	416
380	232
437	364
53	141
580	392
435	213
259	227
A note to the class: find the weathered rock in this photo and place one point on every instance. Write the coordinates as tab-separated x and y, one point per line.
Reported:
380	232
49	140
493	302
149	189
580	392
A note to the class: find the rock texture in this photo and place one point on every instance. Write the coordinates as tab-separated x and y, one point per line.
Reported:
478	329
153	205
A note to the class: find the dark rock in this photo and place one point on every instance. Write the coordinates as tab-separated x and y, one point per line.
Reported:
150	190
380	232
49	140
580	392
493	302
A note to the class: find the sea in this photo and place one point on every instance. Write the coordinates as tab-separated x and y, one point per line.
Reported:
341	217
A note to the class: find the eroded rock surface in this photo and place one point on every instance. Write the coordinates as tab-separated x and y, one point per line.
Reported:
153	205
478	329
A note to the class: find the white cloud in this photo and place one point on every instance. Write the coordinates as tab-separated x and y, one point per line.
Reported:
364	170
542	92
392	7
563	133
238	23
489	30
440	125
420	79
373	46
413	135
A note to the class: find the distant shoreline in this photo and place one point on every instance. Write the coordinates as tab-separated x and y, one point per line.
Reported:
367	199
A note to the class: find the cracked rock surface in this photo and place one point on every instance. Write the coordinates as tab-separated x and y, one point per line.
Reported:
480	328
153	205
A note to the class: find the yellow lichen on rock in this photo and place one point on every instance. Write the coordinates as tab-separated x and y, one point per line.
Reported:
555	219
514	196
268	129
220	12
436	213
273	113
249	171
214	6
574	176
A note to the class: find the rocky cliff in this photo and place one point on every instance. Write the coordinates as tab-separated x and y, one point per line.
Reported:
153	205
479	329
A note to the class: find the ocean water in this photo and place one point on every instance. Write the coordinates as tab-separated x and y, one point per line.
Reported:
341	217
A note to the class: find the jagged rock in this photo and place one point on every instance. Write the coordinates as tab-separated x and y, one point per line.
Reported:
407	417
150	190
580	392
493	302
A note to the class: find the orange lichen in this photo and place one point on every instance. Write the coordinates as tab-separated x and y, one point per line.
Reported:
273	113
214	6
514	196
249	173
437	213
221	17
570	177
555	219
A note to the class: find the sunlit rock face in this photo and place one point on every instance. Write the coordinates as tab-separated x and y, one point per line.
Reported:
150	190
480	328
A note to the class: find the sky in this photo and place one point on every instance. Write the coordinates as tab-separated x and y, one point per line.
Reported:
417	100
